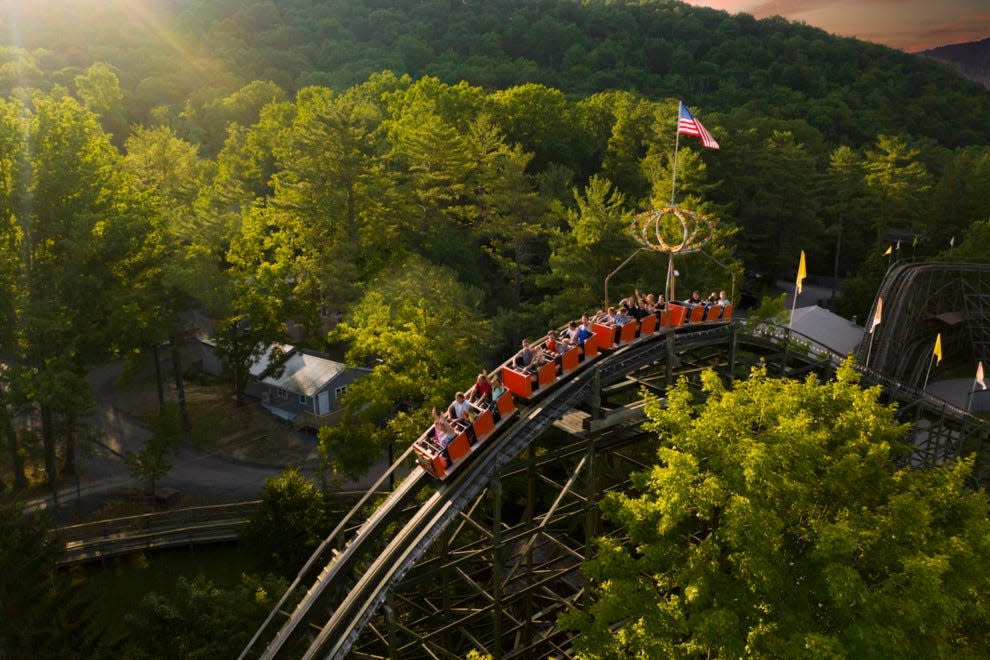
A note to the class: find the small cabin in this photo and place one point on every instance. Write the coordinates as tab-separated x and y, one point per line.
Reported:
303	387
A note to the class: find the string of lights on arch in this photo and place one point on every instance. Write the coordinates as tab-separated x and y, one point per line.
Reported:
648	229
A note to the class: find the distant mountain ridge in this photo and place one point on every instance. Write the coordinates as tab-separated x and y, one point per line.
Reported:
972	58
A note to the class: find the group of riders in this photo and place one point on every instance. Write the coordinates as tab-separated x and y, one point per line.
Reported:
488	387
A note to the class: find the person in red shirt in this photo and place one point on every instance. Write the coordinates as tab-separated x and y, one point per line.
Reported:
550	344
482	393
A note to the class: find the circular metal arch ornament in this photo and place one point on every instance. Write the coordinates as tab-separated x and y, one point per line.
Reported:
672	230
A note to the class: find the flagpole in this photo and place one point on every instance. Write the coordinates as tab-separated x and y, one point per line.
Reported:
801	274
877	318
669	286
677	143
793	305
936	353
927	374
978	380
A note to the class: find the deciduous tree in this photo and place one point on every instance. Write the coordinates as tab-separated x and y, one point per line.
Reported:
776	524
202	619
289	524
81	228
422	332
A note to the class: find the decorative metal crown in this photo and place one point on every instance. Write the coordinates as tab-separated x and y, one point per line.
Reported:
672	230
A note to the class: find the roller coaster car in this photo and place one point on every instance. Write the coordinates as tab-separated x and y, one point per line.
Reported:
611	335
524	384
676	315
440	461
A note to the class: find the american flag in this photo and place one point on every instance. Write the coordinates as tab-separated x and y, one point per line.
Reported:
688	125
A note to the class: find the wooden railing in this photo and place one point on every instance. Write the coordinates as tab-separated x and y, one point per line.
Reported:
153	531
167	529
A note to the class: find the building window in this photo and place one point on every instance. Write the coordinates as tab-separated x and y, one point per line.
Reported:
339	391
303	399
282	394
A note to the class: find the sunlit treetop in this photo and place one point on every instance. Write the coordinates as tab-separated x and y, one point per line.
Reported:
776	524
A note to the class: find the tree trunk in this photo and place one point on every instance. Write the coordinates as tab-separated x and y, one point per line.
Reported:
238	383
835	274
13	444
158	377
48	437
180	389
352	225
69	464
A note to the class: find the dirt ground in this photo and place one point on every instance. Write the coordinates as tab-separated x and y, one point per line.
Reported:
247	433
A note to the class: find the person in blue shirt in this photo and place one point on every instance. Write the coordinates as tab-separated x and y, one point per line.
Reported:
585	332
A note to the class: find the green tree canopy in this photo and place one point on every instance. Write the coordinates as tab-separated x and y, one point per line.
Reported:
595	242
425	336
290	522
776	524
202	619
898	182
80	229
42	614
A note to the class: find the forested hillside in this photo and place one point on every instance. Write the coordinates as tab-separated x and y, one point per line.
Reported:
187	54
972	59
451	169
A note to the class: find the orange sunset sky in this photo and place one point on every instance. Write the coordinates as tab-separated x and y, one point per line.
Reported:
910	25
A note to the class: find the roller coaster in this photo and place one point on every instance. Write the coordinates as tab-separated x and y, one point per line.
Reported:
920	299
365	562
550	362
487	558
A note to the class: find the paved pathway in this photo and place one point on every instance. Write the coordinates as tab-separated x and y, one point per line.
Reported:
199	476
957	392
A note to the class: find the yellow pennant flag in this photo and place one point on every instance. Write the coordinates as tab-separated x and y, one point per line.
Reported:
802	272
890	248
938	348
878	315
979	376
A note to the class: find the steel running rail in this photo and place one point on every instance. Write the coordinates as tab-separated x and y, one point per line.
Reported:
344	560
347	622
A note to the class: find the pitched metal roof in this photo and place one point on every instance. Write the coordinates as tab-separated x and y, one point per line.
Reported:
828	329
302	373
